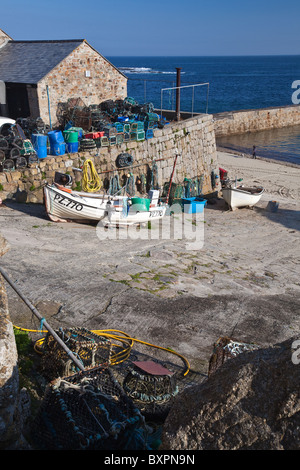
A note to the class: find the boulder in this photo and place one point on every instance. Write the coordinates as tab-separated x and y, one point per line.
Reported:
251	402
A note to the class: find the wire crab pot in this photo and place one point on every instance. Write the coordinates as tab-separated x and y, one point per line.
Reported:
88	411
226	348
91	349
152	387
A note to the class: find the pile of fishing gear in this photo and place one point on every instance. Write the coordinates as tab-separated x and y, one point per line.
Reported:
91	349
88	411
16	150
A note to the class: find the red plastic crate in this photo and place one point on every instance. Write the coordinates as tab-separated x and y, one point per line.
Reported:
94	135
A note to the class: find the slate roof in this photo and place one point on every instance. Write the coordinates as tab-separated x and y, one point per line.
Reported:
29	61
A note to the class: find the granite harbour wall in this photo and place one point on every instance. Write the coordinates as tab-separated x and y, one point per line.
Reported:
240	122
192	139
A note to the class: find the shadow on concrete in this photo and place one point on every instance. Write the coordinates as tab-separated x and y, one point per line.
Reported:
287	217
31	209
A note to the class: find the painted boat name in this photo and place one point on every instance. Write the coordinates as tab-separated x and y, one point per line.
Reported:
72	204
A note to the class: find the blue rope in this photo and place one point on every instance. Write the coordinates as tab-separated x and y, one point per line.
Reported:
41	324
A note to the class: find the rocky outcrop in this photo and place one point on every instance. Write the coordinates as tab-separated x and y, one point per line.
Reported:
14	404
251	402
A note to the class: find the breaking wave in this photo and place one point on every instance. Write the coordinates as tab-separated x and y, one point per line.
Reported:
144	70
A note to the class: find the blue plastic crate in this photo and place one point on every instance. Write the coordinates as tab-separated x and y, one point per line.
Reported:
193	205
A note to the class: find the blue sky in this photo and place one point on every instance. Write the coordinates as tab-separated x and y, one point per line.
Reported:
161	27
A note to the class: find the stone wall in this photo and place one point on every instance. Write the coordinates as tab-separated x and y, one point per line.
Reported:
84	73
239	122
193	140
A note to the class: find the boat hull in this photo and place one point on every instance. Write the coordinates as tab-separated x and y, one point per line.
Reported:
242	197
64	206
132	217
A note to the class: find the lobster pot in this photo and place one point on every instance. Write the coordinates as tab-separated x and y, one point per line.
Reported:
21	162
119	127
2	156
27	148
110	131
88	411
149	134
138	136
91	349
126	137
8	164
152	387
226	348
32	158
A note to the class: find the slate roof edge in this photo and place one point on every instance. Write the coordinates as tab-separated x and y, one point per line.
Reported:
80	41
47	40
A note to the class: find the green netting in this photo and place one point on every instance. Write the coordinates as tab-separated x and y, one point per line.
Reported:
88	411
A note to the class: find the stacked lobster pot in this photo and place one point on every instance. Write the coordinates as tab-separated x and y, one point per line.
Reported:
16	151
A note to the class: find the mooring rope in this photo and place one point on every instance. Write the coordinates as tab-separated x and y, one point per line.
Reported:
90	179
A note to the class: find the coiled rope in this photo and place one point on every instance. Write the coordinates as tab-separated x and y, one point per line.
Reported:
90	180
124	344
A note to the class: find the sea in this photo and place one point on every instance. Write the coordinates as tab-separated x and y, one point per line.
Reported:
220	84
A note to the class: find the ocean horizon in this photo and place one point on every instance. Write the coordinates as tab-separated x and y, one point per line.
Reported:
232	83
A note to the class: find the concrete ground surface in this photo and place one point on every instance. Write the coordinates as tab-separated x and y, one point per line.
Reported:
243	282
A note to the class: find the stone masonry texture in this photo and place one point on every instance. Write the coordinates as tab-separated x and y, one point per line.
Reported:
239	122
84	74
193	140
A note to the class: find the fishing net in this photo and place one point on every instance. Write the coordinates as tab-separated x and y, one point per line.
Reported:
88	411
226	348
91	349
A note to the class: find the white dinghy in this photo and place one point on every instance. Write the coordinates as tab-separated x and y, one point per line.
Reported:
241	196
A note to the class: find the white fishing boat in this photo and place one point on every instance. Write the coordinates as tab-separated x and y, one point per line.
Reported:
135	211
63	205
240	196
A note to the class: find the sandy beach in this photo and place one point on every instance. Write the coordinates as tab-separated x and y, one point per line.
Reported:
244	282
279	180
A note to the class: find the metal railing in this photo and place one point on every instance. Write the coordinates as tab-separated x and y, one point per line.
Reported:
193	95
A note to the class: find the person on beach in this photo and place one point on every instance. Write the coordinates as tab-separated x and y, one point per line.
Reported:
254	152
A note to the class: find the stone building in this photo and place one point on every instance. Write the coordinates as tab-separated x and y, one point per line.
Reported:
38	75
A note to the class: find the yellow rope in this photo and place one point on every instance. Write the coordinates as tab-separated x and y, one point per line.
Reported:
90	180
121	337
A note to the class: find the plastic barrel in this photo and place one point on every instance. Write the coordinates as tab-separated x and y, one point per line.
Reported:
39	143
70	136
77	129
55	137
58	148
72	147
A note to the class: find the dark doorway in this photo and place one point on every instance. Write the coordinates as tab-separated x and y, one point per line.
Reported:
17	100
